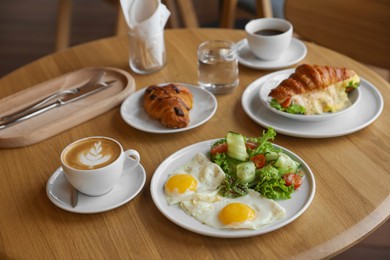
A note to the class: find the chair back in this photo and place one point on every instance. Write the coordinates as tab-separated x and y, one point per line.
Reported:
359	29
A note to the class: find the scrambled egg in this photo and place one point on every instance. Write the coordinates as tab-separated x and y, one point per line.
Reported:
332	99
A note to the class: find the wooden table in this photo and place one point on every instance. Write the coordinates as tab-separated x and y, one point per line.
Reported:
352	172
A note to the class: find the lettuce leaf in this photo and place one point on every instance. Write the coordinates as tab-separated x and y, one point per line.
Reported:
274	189
227	164
292	109
267	173
265	146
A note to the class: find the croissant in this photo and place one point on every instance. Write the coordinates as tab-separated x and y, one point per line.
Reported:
324	81
170	104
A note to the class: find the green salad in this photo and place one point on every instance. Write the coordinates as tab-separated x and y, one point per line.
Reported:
254	163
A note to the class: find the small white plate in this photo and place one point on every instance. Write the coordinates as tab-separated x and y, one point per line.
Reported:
299	202
367	110
58	189
278	77
294	54
134	114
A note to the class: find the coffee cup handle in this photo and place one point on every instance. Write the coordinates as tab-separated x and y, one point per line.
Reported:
134	155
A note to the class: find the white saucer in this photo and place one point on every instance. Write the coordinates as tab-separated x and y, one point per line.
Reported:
134	114
131	183
295	53
366	110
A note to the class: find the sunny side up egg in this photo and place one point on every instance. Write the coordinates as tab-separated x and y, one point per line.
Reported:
251	211
196	176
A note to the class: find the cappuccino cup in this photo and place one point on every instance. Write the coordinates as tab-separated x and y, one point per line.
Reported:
94	165
269	38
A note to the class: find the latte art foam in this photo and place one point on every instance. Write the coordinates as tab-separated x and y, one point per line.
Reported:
94	156
91	153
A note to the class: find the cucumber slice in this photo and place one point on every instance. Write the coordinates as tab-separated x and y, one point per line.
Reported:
246	172
236	148
285	164
271	156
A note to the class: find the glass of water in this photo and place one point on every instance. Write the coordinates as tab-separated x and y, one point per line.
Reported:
218	66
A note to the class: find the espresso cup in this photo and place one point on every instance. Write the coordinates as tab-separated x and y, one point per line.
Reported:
268	38
94	165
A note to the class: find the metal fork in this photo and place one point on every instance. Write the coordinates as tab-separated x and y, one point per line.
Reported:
95	79
59	102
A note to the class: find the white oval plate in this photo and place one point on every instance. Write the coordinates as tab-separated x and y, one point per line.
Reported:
295	206
58	189
294	54
134	114
278	77
367	110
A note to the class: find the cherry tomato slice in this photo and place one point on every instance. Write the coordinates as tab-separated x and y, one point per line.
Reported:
219	148
259	160
286	103
251	145
293	179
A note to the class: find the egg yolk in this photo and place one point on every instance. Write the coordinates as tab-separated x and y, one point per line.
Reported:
236	213
181	183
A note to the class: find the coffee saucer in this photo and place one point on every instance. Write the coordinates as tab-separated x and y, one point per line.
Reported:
58	189
294	54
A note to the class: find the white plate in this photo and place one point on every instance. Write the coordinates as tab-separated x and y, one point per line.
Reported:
366	110
295	206
294	54
58	189
133	112
278	77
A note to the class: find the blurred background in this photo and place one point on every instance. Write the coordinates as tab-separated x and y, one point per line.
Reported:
28	27
28	30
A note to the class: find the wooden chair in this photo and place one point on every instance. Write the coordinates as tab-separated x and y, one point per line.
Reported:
357	28
229	8
182	10
177	19
64	23
177	7
64	14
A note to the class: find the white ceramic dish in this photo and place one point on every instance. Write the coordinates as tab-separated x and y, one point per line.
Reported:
367	110
133	112
294	54
278	77
58	189
295	206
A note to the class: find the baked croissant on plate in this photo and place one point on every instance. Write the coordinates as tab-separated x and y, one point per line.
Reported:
170	104
314	89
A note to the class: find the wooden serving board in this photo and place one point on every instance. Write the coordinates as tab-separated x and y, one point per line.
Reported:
59	119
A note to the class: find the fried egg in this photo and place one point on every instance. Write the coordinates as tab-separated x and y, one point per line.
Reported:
251	211
197	176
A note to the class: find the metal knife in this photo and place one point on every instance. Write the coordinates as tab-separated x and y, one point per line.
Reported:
96	78
83	92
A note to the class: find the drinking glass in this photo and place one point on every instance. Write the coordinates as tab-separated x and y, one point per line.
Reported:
218	66
146	53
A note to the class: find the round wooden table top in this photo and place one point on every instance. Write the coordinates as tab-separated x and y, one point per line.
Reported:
352	196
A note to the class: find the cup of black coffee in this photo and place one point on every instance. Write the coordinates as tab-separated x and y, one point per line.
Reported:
269	38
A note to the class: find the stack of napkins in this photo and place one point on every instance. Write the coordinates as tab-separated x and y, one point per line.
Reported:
146	20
